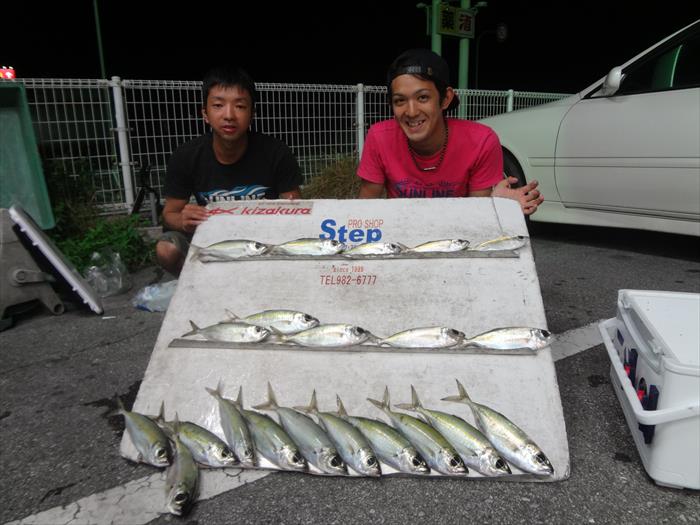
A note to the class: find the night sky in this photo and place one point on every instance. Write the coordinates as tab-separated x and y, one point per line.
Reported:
552	46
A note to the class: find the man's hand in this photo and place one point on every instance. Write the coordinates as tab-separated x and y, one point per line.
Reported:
192	215
528	196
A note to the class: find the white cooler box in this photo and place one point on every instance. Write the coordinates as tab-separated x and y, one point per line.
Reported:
654	349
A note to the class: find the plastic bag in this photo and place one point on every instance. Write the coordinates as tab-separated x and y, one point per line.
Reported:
155	297
107	274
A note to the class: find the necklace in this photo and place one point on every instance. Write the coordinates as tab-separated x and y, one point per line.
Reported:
442	153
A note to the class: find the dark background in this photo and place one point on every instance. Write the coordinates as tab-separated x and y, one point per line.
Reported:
551	46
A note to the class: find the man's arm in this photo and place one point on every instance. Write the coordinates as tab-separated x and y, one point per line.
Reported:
179	215
370	190
528	197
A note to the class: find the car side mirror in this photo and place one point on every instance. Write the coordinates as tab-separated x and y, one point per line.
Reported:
612	82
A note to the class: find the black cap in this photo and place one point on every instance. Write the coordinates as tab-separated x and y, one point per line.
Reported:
425	63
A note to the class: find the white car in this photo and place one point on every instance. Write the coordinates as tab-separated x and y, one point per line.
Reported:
624	152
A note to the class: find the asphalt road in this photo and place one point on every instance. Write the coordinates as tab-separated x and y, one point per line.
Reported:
59	376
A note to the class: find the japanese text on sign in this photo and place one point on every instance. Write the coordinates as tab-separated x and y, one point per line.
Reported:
456	22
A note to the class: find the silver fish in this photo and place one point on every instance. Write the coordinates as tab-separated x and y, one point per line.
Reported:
206	447
511	338
473	447
270	439
509	439
507	242
309	246
443	246
150	441
429	337
329	335
313	442
181	480
351	444
235	428
227	250
280	321
436	450
376	248
388	444
230	332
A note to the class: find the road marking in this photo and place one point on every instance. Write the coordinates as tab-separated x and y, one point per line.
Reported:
143	500
137	502
574	341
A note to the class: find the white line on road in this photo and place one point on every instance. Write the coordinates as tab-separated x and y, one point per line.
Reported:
137	502
143	500
574	341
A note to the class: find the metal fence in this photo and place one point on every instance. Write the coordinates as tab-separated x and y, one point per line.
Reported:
111	129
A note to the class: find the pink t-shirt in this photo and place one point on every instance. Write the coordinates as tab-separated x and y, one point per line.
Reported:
473	161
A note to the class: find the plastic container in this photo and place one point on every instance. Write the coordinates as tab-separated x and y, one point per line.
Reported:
654	349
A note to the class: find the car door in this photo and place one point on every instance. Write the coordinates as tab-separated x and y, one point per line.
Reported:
638	151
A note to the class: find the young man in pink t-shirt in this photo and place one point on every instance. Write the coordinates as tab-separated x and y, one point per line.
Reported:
421	153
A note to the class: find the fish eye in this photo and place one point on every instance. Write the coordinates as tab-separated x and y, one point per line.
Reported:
307	318
371	461
546	333
500	464
161	453
417	462
296	458
226	452
334	243
361	330
452	331
455	461
248	453
336	461
541	458
180	497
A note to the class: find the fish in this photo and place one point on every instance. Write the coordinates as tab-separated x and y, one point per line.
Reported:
506	437
228	250
475	450
352	445
429	337
206	447
309	246
431	445
312	440
387	443
270	439
230	332
329	335
150	441
376	248
506	242
441	246
511	338
284	322
235	428
182	479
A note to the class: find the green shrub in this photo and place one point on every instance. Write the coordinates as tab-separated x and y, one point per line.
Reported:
336	181
80	230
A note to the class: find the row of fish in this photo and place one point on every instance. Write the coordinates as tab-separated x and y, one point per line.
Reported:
335	443
299	328
242	248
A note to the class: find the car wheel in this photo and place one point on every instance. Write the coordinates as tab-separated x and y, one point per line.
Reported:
511	168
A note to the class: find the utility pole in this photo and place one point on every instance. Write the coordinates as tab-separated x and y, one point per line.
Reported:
99	40
463	72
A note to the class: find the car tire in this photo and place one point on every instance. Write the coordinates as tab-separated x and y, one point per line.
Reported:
511	168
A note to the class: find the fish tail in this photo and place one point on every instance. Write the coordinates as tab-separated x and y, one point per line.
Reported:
384	403
341	408
414	404
231	315
239	399
120	410
462	397
271	403
160	418
195	329
195	251
216	392
313	405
